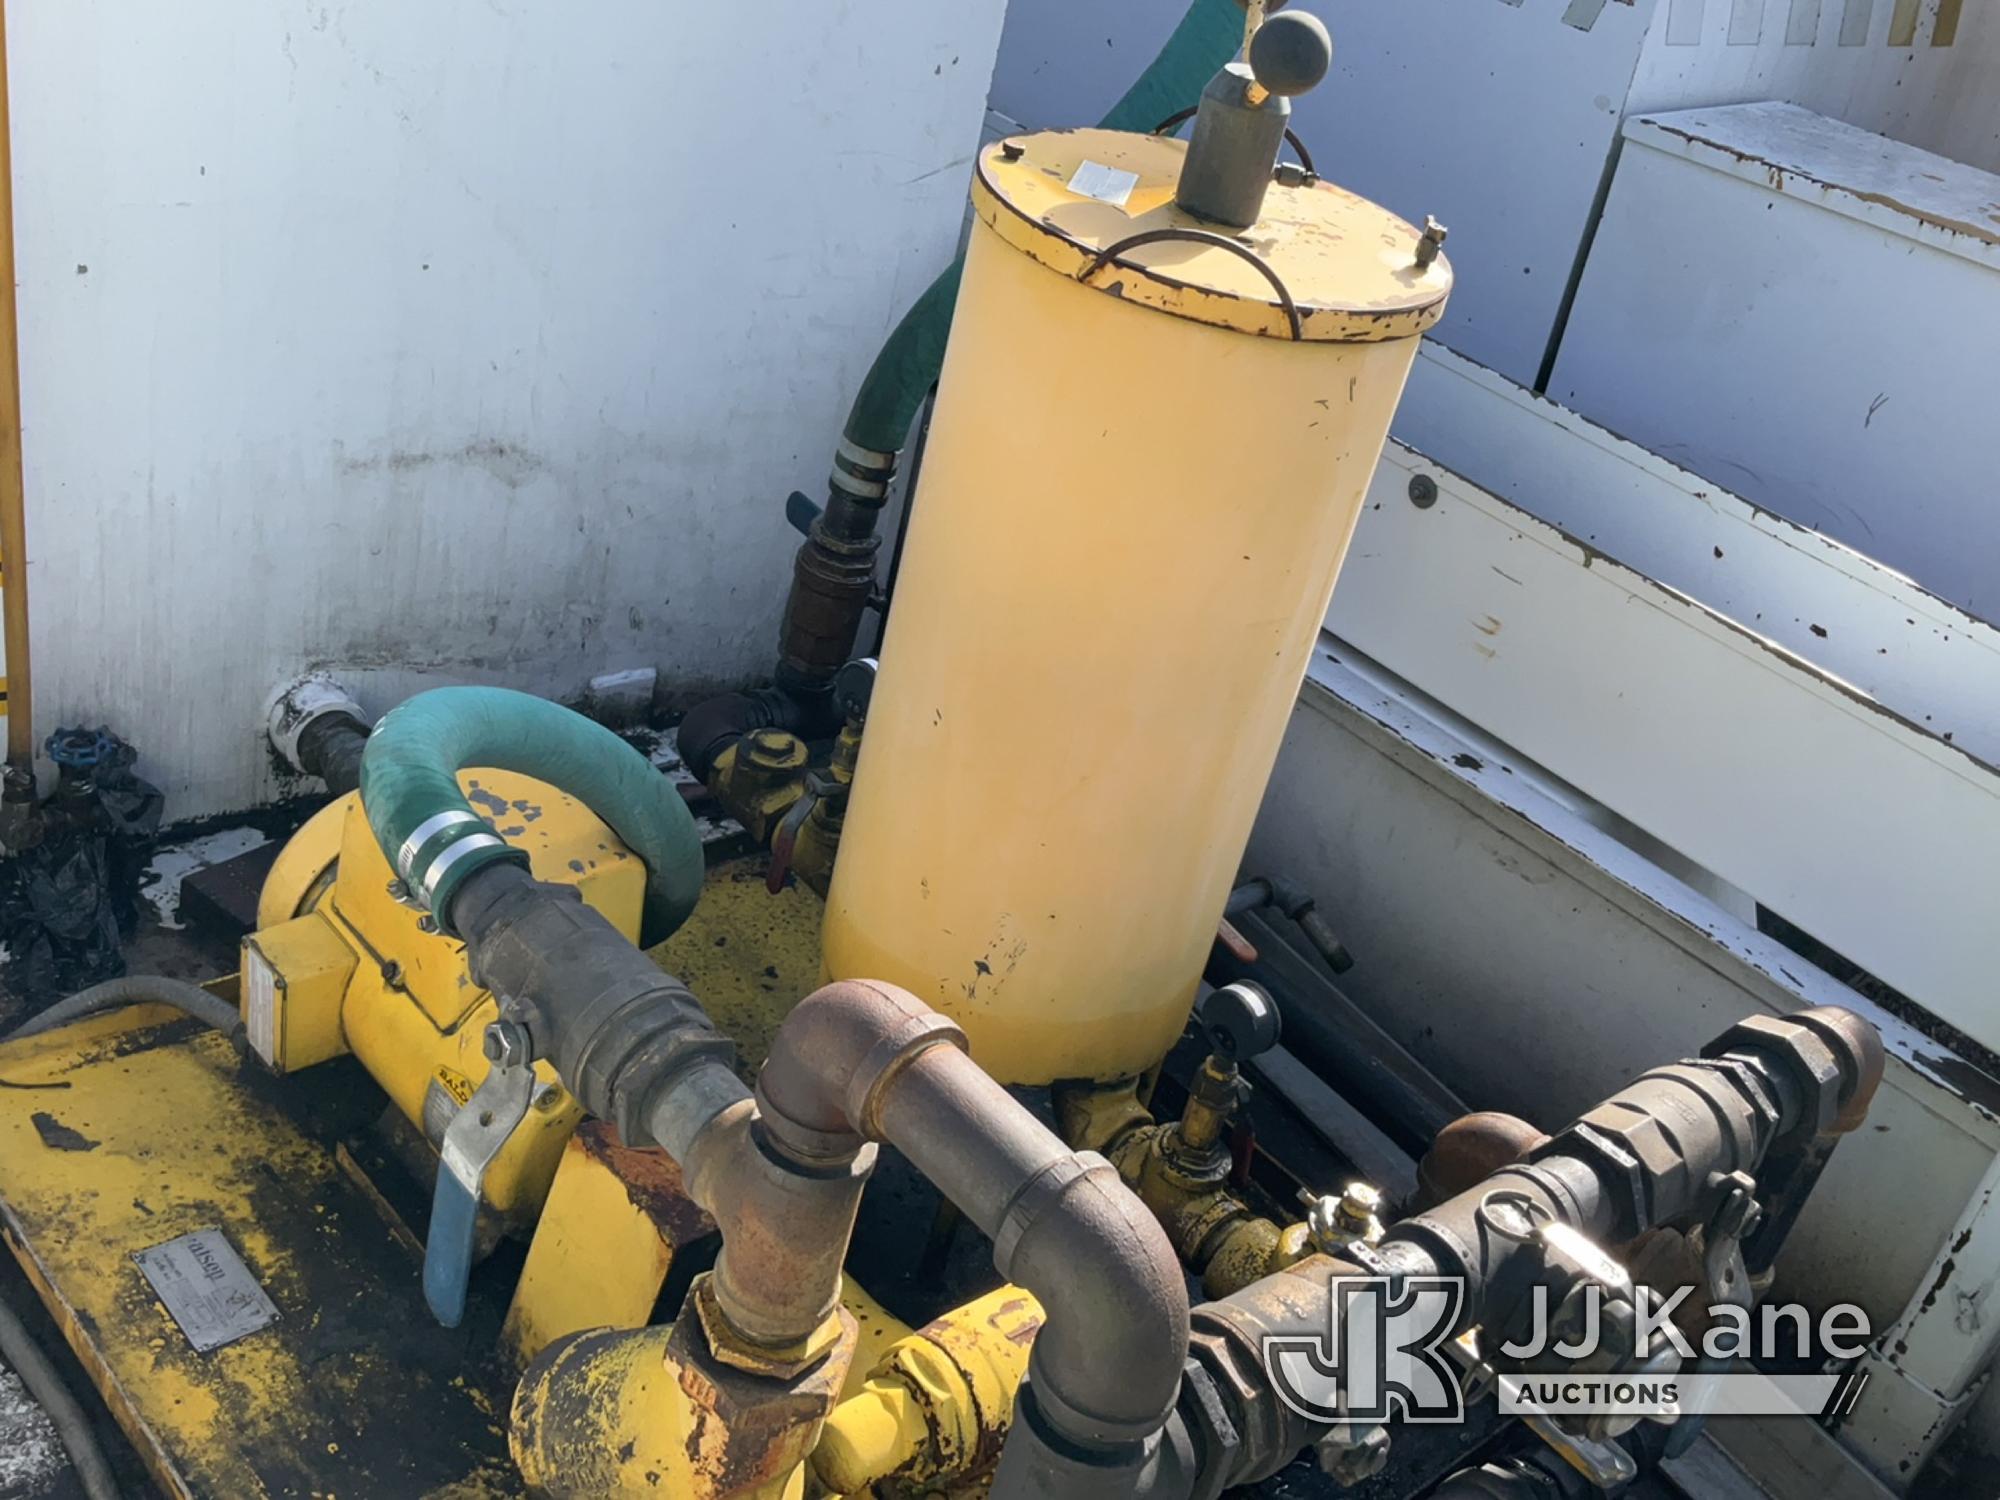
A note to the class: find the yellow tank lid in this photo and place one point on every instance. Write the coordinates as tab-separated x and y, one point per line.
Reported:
1064	197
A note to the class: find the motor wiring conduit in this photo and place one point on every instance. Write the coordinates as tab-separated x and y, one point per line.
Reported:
38	1374
435	840
136	989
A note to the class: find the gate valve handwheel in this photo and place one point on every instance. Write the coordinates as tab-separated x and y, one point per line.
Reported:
1238	1021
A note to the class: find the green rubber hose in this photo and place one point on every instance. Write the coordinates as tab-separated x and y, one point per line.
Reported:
434	838
1208	36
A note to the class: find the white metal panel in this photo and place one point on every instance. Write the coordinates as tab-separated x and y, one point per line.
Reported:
449	341
1847	614
1498	119
1864	830
1923	73
1816	321
1535	964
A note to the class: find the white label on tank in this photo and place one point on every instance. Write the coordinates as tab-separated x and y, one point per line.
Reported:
207	1288
1106	184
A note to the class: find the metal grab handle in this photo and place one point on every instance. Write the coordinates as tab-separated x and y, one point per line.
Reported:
1180	117
1201	237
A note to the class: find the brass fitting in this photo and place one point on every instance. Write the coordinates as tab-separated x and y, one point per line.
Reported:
759	778
935	1410
1181	1172
819	838
653	1411
1335	1224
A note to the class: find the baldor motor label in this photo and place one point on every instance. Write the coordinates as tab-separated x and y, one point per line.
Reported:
444	1097
207	1288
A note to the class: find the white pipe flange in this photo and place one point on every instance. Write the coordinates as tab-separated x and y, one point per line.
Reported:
298	703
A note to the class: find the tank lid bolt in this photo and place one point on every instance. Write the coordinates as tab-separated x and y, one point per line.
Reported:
1432	242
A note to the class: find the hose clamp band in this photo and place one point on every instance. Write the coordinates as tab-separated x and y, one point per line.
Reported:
861	489
452	856
861	459
1033	1198
424	832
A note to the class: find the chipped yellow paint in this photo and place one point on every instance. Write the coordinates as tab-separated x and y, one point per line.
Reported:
411	1010
1175	494
603	1246
748	954
1349	264
934	1409
156	1128
304	868
565	842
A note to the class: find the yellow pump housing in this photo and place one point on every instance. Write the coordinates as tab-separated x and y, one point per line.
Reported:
1141	478
355	971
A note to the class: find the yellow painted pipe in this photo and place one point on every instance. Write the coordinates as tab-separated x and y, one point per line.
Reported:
933	1413
19	684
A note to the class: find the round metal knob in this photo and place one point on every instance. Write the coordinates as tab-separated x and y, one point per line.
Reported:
1239	1020
852	685
1291	52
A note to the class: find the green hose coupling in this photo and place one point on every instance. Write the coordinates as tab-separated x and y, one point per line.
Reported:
434	839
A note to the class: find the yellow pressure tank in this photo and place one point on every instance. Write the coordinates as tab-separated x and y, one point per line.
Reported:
1142	475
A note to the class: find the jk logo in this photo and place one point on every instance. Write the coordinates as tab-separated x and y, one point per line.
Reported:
1381	1357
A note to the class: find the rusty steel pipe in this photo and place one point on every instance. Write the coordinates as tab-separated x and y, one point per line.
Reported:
859	1059
1472	1148
777	1277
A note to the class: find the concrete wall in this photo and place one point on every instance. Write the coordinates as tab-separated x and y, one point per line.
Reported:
476	340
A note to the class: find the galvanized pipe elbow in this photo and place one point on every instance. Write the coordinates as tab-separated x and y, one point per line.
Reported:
859	1059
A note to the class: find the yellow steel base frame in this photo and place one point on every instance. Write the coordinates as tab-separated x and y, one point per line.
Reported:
129	1130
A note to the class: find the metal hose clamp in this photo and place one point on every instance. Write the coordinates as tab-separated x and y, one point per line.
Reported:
452	856
424	832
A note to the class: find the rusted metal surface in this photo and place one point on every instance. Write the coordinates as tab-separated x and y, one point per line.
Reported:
652	1412
617	1221
652	1182
1471	1149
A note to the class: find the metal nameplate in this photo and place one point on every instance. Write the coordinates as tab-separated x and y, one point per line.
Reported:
207	1288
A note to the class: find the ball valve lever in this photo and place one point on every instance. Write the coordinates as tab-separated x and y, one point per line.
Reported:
472	1140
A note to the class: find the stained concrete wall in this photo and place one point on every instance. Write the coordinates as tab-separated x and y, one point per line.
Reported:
477	340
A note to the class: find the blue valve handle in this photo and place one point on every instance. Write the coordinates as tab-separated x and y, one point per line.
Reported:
471	1142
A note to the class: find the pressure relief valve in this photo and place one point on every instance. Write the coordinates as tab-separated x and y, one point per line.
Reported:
1241	121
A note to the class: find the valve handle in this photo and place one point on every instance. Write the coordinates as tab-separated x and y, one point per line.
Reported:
472	1140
